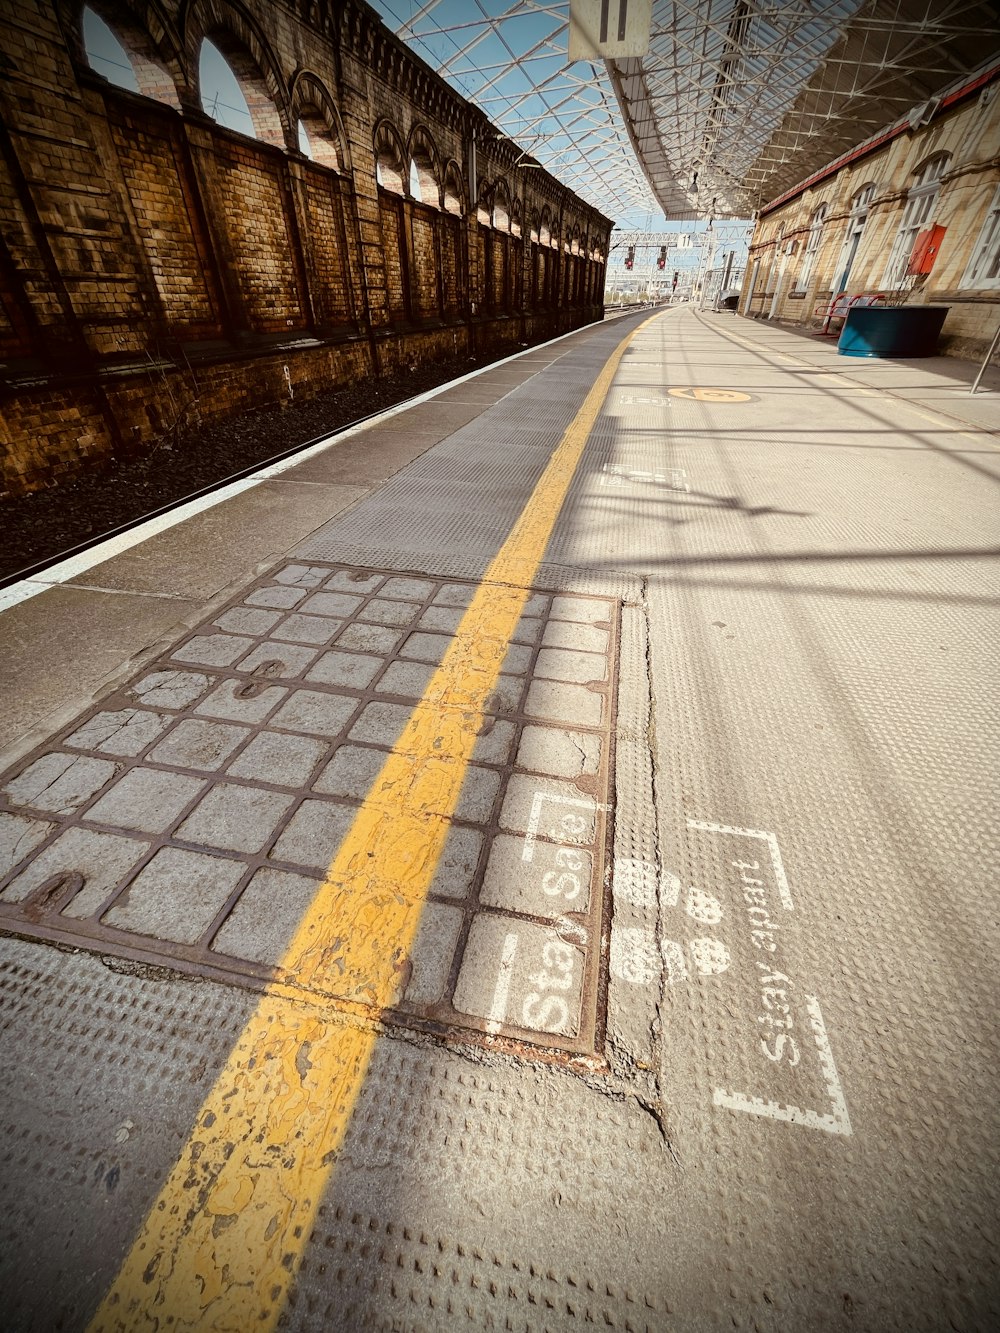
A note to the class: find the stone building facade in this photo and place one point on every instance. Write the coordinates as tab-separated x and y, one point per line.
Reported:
157	268
922	194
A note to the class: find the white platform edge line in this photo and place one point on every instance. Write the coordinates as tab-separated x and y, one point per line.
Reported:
125	541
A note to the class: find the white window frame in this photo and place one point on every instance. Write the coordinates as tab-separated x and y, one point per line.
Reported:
813	243
983	270
921	201
856	223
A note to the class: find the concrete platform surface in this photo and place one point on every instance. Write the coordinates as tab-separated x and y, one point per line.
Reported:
528	864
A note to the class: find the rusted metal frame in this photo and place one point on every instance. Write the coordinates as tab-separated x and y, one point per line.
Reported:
38	915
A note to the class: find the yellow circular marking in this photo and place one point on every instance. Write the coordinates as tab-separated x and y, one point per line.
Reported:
712	395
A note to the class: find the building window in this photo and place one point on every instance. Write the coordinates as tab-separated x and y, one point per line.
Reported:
125	57
389	160
423	181
852	237
920	203
984	266
452	191
812	248
315	139
234	92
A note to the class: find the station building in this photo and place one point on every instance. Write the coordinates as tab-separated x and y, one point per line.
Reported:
911	215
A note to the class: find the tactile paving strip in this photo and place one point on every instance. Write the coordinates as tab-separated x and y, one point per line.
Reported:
188	819
467	1194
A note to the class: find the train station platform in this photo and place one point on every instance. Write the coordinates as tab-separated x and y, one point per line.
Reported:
527	863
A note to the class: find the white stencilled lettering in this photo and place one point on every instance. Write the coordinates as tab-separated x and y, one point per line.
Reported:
551	1016
780	1047
781	1031
561	885
501	993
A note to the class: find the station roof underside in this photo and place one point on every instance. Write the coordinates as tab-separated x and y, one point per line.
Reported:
735	102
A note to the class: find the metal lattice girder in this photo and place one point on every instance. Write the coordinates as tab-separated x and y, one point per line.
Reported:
723	234
510	58
735	101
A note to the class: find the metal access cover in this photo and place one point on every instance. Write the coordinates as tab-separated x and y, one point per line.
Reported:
188	820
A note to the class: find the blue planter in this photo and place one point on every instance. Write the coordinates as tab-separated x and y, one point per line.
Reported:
901	331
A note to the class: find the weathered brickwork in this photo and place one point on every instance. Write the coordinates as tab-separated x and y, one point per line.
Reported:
496	266
178	261
328	282
255	207
151	259
801	257
423	235
452	266
394	257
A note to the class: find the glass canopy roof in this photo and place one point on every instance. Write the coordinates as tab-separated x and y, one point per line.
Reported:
510	59
735	101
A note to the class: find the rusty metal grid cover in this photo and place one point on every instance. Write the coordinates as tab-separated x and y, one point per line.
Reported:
187	819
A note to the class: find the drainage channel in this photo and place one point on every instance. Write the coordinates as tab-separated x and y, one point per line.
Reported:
187	820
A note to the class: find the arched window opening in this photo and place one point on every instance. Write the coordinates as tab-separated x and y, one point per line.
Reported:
125	58
500	206
316	140
813	243
423	180
235	95
425	173
921	201
389	159
452	192
983	269
389	174
544	234
515	219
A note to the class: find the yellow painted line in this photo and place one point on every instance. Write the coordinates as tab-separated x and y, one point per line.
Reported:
948	425
222	1242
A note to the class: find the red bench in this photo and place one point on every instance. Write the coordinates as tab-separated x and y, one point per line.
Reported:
842	303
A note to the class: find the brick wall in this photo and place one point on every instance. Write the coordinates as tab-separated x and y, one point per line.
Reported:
164	221
246	188
424	250
394	257
150	259
451	265
328	249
